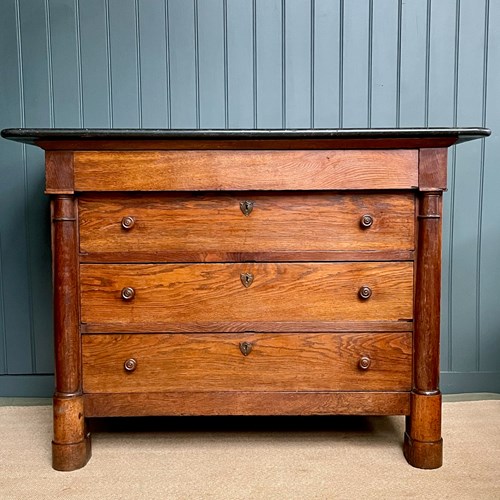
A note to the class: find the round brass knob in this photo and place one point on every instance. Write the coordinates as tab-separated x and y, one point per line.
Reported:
366	221
130	365
364	362
128	293
365	292
128	222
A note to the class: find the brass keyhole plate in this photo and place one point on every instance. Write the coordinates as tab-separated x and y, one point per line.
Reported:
246	207
245	348
246	279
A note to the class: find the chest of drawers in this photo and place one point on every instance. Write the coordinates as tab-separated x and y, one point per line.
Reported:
246	273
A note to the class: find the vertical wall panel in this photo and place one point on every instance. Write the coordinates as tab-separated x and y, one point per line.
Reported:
269	64
152	57
13	273
326	63
40	104
254	63
210	25
297	25
413	63
96	88
355	64
17	264
64	59
442	63
240	82
466	190
490	223
182	63
384	63
125	76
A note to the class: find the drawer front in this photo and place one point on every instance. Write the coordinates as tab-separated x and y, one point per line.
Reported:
245	170
246	362
139	295
247	222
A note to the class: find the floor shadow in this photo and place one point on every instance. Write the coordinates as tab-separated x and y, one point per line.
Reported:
377	427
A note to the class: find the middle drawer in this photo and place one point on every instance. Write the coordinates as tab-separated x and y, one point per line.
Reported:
124	297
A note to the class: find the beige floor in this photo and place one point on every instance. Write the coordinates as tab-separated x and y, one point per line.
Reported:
261	458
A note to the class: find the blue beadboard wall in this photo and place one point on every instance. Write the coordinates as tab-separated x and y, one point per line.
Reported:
253	64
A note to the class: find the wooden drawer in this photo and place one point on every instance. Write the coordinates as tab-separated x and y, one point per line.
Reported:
215	223
245	170
215	362
166	295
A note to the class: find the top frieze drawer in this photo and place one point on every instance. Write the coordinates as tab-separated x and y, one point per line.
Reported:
221	170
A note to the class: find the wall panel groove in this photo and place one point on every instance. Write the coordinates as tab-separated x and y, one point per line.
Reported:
398	63
254	63
108	59
167	68
79	63
138	68
283	64
49	62
226	69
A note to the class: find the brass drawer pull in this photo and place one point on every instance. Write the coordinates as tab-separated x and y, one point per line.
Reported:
246	348
246	279
130	365
246	207
128	222
128	293
366	221
364	362
365	292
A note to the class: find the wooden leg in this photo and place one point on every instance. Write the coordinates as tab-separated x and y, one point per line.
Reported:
423	445
71	445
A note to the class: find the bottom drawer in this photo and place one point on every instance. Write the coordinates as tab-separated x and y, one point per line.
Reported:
130	363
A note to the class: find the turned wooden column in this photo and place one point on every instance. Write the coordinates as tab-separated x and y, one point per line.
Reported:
423	445
71	444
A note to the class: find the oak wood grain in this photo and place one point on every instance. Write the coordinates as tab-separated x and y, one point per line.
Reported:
175	256
250	326
214	362
245	170
428	294
64	215
278	222
59	173
214	292
247	403
432	171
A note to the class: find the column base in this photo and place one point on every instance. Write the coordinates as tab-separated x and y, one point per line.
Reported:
69	457
423	454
